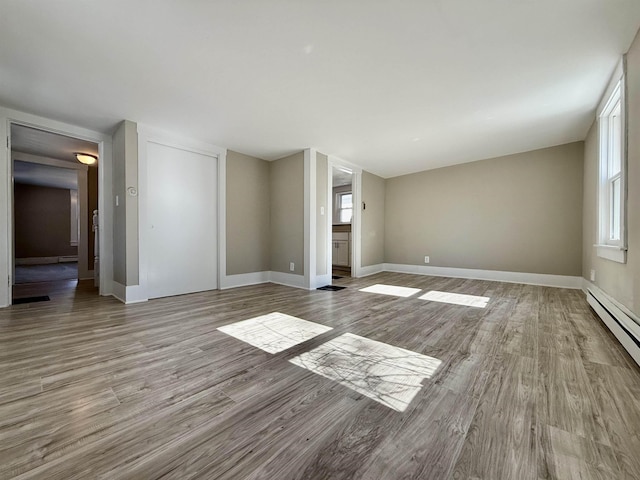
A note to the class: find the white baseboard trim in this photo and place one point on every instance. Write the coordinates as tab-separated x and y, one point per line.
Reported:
288	279
371	270
559	281
244	279
128	295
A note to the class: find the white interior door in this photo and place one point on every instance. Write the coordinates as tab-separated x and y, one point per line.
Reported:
182	221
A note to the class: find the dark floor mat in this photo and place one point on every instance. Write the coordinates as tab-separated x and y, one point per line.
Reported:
18	301
332	288
335	277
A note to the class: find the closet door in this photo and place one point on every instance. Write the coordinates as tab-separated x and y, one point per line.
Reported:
181	221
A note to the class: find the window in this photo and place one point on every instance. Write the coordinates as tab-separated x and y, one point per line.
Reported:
611	188
75	218
345	207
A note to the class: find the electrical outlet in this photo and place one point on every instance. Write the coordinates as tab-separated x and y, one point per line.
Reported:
321	210
592	276
426	259
292	266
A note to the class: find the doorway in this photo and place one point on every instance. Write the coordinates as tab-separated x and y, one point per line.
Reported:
54	200
342	221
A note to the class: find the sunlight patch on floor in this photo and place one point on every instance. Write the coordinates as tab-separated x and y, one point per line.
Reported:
391	290
274	332
389	375
456	299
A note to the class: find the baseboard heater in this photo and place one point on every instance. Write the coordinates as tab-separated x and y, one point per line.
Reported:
622	324
46	260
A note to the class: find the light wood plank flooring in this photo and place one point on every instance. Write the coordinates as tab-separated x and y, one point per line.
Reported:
530	387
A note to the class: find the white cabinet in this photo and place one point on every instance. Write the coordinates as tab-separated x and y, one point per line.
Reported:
341	249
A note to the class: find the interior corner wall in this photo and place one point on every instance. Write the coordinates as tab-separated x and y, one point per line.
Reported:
125	221
518	213
287	214
322	205
248	214
373	219
620	281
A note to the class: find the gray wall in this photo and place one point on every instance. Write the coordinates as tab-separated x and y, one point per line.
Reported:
621	281
322	201
42	217
125	221
248	211
373	219
520	213
287	213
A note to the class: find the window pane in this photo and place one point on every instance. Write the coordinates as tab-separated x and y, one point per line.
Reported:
345	215
346	201
615	209
616	143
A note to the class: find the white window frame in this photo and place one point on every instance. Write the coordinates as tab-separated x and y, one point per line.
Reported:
340	208
75	218
608	247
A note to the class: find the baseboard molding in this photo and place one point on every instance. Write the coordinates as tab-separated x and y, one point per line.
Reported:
288	279
559	281
128	294
624	325
371	270
244	279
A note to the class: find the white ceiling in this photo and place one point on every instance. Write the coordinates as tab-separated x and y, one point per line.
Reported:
52	145
394	87
340	178
45	175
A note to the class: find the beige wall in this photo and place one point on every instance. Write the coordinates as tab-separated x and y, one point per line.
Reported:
287	213
520	213
322	202
42	219
621	281
248	211
373	219
125	216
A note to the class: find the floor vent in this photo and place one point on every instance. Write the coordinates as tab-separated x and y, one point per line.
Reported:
622	325
332	288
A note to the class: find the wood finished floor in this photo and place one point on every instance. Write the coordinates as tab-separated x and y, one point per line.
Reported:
530	387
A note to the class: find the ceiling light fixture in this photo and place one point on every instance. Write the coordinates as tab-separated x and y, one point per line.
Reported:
86	158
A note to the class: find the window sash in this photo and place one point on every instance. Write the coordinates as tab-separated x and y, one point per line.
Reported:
612	164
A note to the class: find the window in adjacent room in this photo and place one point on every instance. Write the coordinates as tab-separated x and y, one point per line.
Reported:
345	207
612	168
75	218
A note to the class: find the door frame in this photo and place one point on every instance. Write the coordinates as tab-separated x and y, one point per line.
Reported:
82	172
356	220
147	134
10	117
